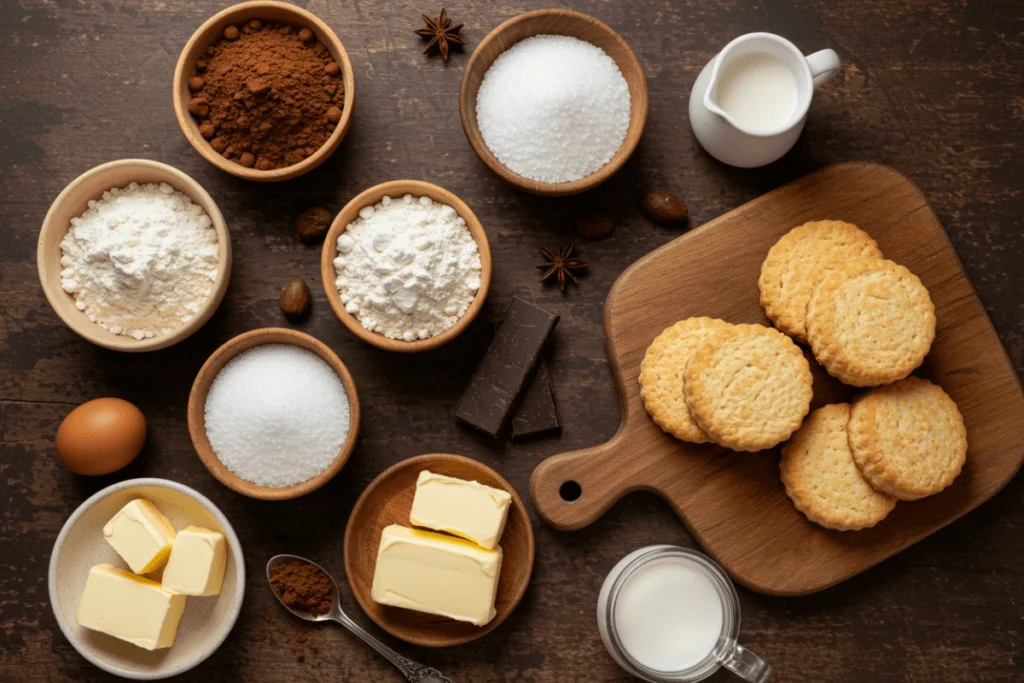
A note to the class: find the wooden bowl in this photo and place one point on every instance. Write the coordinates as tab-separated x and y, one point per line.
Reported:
207	620
72	202
565	23
388	500
209	33
197	412
398	188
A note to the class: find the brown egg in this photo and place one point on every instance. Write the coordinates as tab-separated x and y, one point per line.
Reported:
100	436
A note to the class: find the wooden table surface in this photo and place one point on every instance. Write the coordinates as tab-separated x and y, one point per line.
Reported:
934	89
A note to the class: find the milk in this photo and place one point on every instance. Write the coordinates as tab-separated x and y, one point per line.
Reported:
758	91
669	614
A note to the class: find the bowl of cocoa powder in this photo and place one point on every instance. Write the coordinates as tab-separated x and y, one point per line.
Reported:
264	90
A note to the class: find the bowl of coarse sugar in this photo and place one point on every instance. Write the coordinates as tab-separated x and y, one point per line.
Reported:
273	414
553	101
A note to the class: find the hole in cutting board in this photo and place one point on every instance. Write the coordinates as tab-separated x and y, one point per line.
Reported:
570	491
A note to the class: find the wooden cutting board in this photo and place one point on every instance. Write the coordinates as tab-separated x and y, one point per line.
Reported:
734	503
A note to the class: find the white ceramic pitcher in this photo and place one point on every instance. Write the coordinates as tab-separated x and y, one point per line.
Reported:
732	143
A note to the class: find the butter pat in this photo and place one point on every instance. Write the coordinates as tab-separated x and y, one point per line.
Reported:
463	508
130	607
196	565
141	535
436	574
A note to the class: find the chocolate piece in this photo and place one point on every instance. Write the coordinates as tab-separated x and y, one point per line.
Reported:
536	412
488	400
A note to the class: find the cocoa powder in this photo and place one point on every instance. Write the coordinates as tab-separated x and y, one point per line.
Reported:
266	95
303	586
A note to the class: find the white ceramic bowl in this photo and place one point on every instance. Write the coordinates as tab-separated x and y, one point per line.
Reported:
80	545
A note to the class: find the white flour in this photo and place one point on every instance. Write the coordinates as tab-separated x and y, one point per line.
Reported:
141	260
407	268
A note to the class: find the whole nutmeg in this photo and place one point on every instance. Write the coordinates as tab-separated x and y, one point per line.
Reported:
595	226
295	299
313	224
663	207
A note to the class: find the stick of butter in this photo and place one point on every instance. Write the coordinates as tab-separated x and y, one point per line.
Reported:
436	574
196	565
463	508
130	607
141	535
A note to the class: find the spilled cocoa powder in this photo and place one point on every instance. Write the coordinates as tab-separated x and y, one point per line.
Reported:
267	95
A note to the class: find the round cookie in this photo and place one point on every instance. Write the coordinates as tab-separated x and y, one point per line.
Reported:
870	322
821	478
798	262
908	439
748	387
661	381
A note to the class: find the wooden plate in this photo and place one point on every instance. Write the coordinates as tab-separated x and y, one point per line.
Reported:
388	500
734	503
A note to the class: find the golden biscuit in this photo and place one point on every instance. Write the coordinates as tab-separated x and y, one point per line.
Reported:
800	261
908	438
870	322
748	387
661	382
822	479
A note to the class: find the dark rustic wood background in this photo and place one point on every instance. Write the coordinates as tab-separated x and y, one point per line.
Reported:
933	89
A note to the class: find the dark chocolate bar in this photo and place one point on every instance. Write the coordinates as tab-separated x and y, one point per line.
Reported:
536	413
488	400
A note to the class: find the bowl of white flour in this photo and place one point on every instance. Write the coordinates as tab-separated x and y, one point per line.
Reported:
406	266
134	255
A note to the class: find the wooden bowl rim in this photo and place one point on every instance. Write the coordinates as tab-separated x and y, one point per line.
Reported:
638	109
424	461
250	10
350	212
201	387
49	268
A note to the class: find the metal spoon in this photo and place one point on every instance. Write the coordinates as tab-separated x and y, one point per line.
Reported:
413	672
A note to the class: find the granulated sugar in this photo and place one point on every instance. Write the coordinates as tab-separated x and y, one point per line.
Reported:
277	415
553	108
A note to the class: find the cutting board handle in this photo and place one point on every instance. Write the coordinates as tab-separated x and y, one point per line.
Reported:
573	489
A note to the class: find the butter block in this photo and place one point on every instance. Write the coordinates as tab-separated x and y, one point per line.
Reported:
464	508
196	564
141	535
436	574
130	607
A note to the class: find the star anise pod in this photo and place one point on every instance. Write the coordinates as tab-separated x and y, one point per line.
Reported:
561	265
441	34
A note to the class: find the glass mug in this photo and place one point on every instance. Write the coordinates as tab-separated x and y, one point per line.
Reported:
657	576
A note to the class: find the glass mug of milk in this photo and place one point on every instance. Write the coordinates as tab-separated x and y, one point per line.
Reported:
668	615
750	103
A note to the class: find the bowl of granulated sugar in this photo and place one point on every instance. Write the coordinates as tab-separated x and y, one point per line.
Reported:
273	414
553	101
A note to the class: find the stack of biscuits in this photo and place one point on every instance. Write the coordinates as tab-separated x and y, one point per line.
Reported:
870	323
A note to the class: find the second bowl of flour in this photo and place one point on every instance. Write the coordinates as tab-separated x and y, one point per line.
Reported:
406	266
